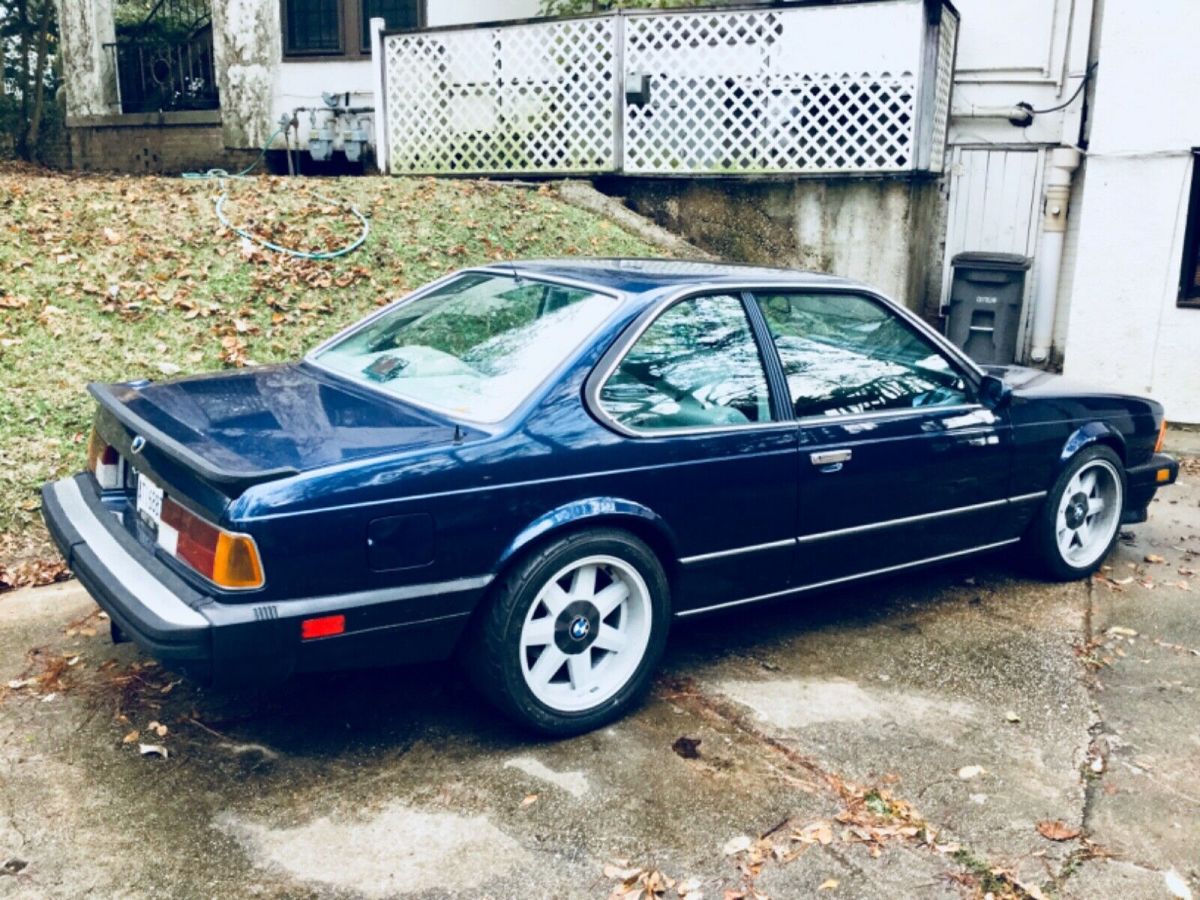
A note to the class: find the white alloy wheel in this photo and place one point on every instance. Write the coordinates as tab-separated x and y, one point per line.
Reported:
585	633
1089	513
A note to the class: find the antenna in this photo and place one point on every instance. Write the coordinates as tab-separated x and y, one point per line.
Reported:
516	275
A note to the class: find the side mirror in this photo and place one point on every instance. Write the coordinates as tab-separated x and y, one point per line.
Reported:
994	393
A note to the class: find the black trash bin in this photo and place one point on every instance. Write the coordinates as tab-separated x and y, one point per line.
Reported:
986	296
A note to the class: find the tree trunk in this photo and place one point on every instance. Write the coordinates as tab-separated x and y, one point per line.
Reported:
39	80
23	82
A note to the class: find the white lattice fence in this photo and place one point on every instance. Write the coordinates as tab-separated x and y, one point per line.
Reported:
525	98
807	90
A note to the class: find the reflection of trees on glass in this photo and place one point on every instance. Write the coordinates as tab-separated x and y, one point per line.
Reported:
697	365
474	347
845	354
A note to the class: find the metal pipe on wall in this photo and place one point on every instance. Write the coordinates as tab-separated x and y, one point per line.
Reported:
1060	167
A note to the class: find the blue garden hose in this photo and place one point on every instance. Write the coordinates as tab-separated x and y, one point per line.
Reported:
220	175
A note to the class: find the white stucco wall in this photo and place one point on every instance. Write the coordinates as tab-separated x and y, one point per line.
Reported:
1125	331
258	86
85	27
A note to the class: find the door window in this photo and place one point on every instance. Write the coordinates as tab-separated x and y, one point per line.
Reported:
696	366
845	354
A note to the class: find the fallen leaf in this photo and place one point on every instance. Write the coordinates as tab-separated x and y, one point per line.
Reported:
966	773
131	737
1154	558
1057	830
529	800
1011	716
112	236
158	728
1122	632
828	884
686	747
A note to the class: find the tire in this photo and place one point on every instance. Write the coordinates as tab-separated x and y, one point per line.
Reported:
1070	537
597	650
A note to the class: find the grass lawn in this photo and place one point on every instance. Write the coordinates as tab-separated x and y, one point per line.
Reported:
106	278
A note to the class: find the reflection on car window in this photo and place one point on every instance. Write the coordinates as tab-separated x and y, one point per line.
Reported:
696	366
843	353
475	347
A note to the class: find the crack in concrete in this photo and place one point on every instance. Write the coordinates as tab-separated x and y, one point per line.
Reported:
685	691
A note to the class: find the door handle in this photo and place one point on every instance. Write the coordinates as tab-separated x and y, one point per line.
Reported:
830	457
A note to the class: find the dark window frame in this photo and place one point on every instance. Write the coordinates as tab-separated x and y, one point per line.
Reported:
351	24
1189	291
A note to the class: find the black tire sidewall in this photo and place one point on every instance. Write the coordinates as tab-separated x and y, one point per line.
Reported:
1049	556
511	605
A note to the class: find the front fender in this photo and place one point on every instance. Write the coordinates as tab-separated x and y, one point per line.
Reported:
596	511
1095	432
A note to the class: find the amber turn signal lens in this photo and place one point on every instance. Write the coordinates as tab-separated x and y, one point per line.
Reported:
1163	476
1162	436
236	564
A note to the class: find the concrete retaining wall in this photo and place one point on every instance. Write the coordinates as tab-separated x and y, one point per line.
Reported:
885	232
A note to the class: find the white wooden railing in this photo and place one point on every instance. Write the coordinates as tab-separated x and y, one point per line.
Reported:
819	88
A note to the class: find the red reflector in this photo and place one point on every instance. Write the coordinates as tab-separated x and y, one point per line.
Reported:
325	626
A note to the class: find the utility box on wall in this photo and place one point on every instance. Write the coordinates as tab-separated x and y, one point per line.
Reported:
986	297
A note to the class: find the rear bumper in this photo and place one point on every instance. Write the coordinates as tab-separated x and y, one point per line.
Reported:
1142	481
239	643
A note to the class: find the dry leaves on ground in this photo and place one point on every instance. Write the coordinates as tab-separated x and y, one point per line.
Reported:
32	573
1057	830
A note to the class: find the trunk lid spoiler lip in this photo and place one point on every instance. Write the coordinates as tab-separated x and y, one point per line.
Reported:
164	443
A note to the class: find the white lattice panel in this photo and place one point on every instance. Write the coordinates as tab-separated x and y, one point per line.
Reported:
730	94
811	89
947	36
523	98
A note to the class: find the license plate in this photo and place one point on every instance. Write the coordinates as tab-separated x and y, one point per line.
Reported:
149	501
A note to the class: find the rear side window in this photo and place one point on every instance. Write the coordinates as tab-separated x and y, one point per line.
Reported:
845	354
696	366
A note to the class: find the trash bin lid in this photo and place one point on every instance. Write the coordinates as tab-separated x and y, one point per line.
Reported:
983	259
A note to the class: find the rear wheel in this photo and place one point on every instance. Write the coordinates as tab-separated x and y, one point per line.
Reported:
574	632
1081	518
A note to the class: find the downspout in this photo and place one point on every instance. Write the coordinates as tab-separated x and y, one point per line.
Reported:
1062	164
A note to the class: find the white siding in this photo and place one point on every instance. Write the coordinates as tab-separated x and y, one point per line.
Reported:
1125	332
993	208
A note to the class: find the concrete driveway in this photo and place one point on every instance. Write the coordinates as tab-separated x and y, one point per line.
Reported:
951	733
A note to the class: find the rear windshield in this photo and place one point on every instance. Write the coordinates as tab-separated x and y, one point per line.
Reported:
475	347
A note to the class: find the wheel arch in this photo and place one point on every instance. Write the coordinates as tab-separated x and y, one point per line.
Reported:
597	512
1091	434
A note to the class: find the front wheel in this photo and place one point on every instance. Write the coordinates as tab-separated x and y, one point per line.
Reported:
1079	522
573	633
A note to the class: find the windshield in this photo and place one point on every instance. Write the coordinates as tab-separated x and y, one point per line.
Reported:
475	347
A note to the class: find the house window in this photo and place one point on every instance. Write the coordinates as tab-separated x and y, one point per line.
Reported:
342	28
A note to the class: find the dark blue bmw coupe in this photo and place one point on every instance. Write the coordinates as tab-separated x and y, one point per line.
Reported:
539	464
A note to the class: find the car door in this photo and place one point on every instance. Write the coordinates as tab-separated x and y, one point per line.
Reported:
707	447
899	463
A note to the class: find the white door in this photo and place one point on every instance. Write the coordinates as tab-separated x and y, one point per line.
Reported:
995	207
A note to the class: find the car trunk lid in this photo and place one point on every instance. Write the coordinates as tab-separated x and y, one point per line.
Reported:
208	438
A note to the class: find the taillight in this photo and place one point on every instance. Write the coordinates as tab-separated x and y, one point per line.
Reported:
1162	436
227	559
105	462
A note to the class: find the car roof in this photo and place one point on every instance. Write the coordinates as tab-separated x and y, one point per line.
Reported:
634	275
